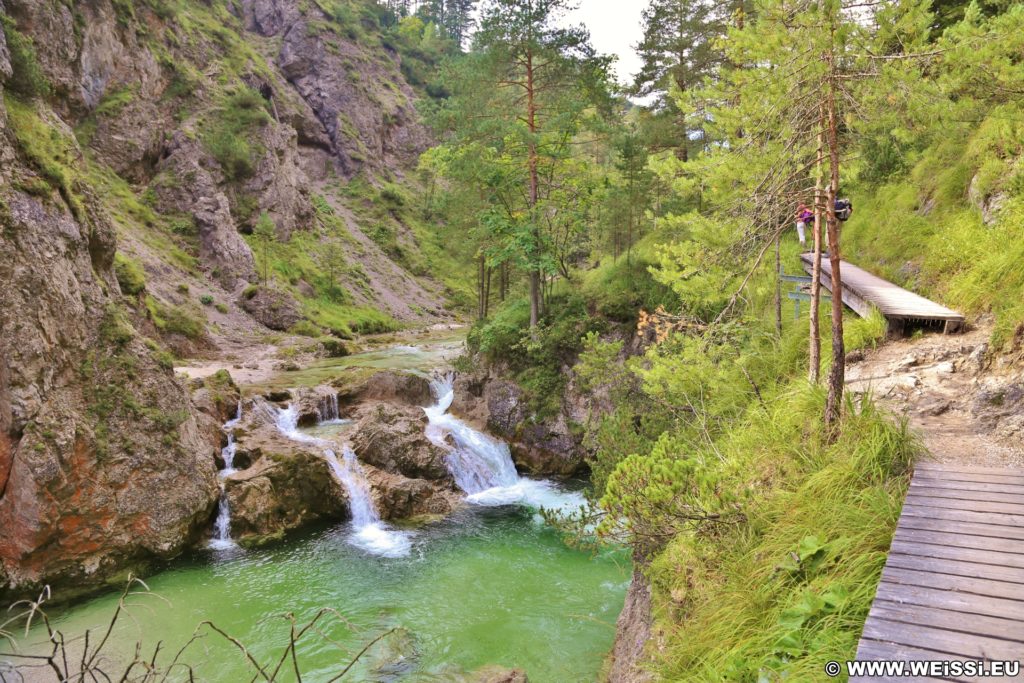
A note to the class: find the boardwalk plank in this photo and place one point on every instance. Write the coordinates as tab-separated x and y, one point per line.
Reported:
961	584
980	477
959	540
959	643
969	603
922	489
952	553
931	511
986	530
916	498
953	485
996	627
957	568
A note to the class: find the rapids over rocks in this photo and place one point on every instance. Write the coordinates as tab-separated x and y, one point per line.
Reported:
484	582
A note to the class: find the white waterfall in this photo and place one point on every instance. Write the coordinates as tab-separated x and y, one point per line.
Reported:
369	532
222	526
327	411
481	465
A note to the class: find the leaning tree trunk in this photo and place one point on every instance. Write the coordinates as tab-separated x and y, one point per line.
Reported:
837	373
814	365
778	287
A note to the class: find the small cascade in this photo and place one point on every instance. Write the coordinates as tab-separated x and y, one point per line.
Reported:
369	532
222	526
481	465
228	454
327	411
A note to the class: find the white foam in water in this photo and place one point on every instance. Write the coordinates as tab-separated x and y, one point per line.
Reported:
228	453
481	465
369	532
222	525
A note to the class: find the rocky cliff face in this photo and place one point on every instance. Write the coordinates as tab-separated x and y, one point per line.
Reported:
216	114
104	461
160	132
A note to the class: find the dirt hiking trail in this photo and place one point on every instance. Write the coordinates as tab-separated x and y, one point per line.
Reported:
967	406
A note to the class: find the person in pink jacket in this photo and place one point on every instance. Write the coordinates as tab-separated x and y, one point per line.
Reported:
803	216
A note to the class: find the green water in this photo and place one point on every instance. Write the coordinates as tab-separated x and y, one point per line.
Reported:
486	586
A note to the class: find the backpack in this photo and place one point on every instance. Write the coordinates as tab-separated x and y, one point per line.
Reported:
844	209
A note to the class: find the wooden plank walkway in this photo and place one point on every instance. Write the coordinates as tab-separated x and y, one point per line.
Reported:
863	291
953	583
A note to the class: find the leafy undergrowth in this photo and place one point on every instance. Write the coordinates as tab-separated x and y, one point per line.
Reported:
779	594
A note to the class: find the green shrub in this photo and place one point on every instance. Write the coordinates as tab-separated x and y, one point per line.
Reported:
222	308
175	319
114	329
228	134
130	275
334	348
392	195
863	333
233	153
27	76
306	329
206	300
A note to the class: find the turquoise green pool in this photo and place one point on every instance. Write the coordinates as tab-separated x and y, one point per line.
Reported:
486	586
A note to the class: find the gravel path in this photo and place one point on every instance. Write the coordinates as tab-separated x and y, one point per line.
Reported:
967	407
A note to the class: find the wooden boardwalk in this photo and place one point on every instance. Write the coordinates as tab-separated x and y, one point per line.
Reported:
863	291
953	583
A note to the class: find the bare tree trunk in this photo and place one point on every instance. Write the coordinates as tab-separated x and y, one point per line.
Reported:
814	370
531	118
778	288
837	373
487	292
480	314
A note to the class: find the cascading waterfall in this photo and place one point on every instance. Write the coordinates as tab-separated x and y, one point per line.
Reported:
327	411
369	532
222	526
481	465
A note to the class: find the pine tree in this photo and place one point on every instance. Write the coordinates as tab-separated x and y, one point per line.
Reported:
265	233
519	101
799	79
681	47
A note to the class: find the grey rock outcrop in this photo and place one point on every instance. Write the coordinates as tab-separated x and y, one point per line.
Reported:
273	308
633	630
378	130
544	447
391	386
288	485
185	185
392	438
93	482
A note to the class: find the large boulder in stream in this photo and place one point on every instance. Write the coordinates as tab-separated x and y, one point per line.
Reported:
287	485
403	388
407	471
398	497
393	438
